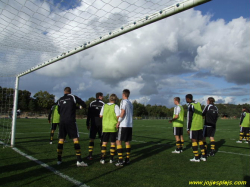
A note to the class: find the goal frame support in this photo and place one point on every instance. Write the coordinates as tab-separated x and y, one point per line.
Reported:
14	113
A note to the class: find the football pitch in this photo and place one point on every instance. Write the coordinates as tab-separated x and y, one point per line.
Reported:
152	163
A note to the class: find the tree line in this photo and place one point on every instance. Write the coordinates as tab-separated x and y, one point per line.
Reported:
42	102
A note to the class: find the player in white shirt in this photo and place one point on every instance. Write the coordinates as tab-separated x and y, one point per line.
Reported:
124	125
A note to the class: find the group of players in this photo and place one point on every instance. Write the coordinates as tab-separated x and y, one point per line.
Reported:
114	124
111	122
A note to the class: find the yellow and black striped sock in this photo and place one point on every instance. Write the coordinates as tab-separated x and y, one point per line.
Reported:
112	152
178	145
202	147
91	147
182	144
247	136
212	145
195	150
78	151
51	135
241	136
128	150
119	152
205	147
59	150
103	150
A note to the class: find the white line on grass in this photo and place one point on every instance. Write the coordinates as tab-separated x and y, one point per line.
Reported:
76	182
233	153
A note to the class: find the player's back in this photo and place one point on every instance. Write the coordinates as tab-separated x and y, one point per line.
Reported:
211	115
128	118
67	107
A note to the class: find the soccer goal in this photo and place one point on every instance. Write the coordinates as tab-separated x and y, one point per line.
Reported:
35	34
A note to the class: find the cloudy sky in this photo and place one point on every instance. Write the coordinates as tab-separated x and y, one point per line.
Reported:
204	51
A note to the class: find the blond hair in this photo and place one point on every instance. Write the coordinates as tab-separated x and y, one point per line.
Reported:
112	97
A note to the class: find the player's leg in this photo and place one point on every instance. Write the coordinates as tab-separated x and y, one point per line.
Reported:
193	137
112	146
128	139
241	135
202	147
53	128
212	141
177	140
62	135
204	139
92	136
119	146
104	146
182	139
247	135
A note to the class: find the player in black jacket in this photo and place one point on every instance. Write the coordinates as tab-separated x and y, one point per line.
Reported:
94	122
68	126
211	115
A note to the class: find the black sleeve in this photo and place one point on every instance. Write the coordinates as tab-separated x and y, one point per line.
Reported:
205	111
50	114
58	104
88	116
189	117
241	118
80	102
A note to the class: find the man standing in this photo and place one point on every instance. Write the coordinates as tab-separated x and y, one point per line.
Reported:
110	113
178	122
94	119
244	125
68	126
124	125
54	119
194	127
211	115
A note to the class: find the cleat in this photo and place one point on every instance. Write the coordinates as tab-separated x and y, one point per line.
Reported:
50	142
244	139
89	157
59	162
111	161
119	164
194	160
238	141
175	151
81	164
102	161
181	150
203	159
246	142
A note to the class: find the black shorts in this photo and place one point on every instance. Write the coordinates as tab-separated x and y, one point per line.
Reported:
124	134
68	128
106	136
197	135
244	130
96	127
53	126
178	131
208	131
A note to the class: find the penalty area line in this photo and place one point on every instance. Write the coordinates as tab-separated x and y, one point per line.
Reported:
66	177
233	153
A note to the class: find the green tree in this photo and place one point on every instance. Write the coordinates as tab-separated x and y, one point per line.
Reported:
44	100
32	105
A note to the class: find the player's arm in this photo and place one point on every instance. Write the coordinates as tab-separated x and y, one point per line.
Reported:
49	117
122	114
242	118
80	102
189	117
176	114
88	117
205	111
117	111
101	113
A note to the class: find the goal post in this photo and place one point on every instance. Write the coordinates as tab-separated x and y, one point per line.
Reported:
15	105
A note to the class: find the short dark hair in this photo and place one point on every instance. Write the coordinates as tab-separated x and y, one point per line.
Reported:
67	89
211	100
98	94
126	92
189	96
177	99
245	108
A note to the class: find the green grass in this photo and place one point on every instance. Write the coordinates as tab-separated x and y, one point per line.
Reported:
152	163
